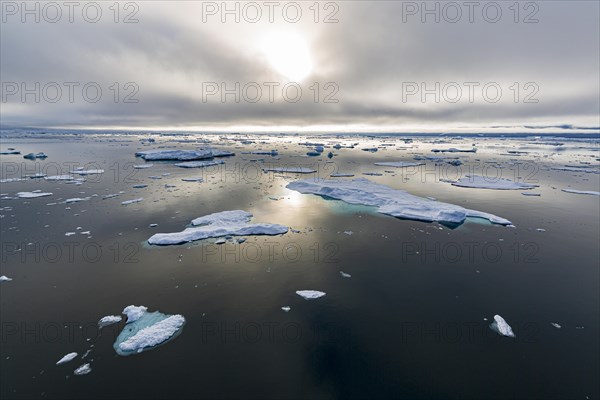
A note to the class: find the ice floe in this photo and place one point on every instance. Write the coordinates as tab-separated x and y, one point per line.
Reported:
193	179
132	201
33	156
181	155
147	330
398	164
33	195
482	182
502	327
394	202
66	358
134	313
199	164
5	278
310	294
59	178
81	171
83	370
109	320
233	223
591	192
291	170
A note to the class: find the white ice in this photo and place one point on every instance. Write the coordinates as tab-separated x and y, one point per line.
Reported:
199	164
66	358
591	192
5	278
132	201
502	327
398	164
181	155
481	182
310	294
32	195
153	335
81	171
134	312
394	202
291	170
109	320
83	370
234	223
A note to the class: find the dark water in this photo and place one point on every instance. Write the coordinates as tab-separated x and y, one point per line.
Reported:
409	323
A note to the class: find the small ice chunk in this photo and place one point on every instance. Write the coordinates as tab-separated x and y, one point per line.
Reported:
5	278
193	179
310	294
66	358
32	195
87	171
345	275
286	308
109	320
399	164
341	175
590	192
291	170
132	201
199	164
556	325
502	327
143	166
83	370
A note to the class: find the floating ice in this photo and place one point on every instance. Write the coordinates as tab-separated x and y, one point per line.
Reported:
286	308
181	155
199	164
591	192
66	358
394	202
345	275
398	164
234	223
291	170
83	370
556	325
341	175
59	178
134	313
109	320
132	201
32	195
147	330
81	171
502	327
33	156
196	179
310	294
5	278
481	182
9	152
76	199
454	150
8	180
143	166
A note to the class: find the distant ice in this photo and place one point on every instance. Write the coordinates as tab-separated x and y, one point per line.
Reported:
234	223
502	327
286	308
81	171
199	164
194	179
291	170
59	178
8	180
76	199
32	195
341	175
398	164
33	156
394	202
481	182
591	192
66	358
147	330
455	150
83	370
310	294
143	166
345	275
181	155
10	152
132	201
556	325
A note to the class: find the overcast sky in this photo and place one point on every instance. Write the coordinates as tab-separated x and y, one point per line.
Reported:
366	68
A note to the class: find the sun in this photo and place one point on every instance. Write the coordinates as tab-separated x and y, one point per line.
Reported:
288	54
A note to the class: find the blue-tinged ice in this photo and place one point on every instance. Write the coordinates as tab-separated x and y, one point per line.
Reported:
146	330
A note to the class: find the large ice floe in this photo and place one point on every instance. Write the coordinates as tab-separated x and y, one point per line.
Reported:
146	330
181	155
390	201
482	182
225	223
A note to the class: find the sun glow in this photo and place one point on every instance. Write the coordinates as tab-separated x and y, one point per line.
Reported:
289	55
